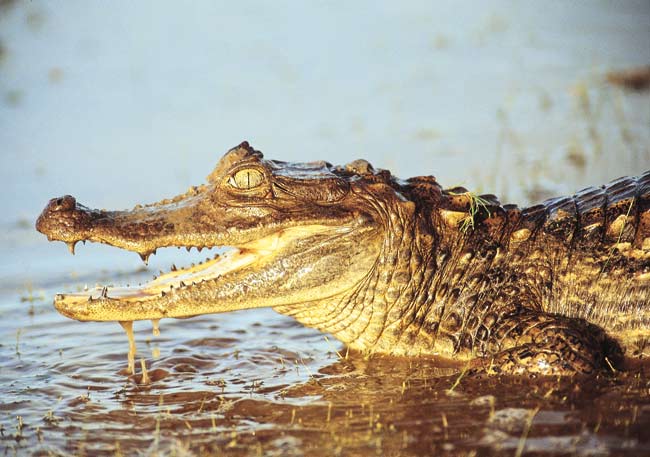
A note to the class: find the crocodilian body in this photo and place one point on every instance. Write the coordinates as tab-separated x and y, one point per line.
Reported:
391	266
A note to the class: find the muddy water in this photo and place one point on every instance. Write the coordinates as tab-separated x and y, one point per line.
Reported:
256	383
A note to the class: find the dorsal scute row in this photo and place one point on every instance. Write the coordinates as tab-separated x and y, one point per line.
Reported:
614	212
617	212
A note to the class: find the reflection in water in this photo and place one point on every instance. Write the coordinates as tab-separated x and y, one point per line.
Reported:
218	385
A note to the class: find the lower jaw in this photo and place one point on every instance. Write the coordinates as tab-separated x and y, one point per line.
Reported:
150	300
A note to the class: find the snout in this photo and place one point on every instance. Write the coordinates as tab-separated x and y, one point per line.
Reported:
62	219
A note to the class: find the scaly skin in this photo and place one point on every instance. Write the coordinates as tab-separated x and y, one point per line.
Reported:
391	266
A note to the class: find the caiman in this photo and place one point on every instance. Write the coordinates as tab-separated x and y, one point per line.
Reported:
399	267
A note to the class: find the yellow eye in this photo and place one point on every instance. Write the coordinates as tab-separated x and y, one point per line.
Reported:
245	179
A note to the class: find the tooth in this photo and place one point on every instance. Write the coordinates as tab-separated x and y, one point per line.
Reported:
182	284
90	298
145	257
189	248
105	292
71	246
199	248
173	267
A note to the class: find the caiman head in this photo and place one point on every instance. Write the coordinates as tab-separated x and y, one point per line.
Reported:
301	233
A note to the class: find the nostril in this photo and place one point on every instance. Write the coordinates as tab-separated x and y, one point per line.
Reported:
66	202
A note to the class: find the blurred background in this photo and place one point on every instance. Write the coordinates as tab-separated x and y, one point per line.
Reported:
128	102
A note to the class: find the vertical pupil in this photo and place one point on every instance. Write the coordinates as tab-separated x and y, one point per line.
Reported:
246	179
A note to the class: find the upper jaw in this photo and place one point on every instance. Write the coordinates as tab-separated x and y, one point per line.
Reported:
188	222
201	218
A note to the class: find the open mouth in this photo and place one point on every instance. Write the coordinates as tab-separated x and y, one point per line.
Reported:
165	295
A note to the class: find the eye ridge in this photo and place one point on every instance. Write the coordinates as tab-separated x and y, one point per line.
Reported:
246	179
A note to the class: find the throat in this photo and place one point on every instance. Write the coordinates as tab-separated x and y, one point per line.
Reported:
385	311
